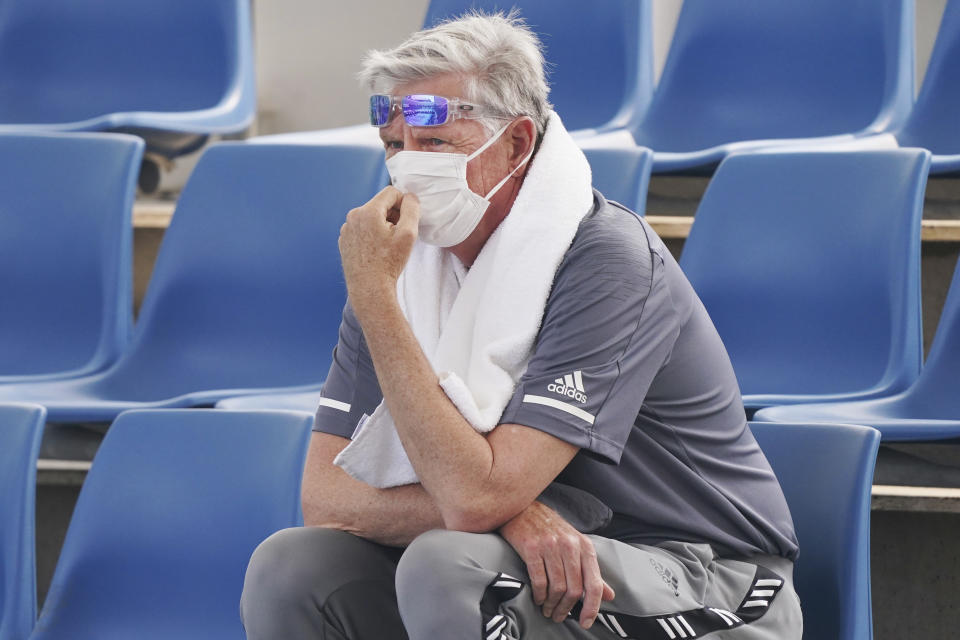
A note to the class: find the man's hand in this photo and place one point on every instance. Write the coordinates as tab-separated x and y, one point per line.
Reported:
375	244
561	562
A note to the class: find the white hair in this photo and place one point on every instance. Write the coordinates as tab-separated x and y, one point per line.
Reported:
497	54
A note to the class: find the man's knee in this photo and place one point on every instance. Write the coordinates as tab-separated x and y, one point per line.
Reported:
296	576
279	570
299	566
433	558
441	579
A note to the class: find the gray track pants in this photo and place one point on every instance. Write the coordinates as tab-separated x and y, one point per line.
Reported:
323	585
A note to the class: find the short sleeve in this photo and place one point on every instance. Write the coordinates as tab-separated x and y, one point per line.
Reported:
351	389
608	328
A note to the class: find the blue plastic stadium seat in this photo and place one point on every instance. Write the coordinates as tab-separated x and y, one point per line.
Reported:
809	265
172	508
928	410
622	174
775	72
303	401
826	472
247	290
933	123
65	251
21	428
172	71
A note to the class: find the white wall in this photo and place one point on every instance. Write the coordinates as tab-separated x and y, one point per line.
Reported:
928	15
308	51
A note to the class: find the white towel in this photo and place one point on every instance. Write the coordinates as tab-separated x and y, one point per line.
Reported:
478	327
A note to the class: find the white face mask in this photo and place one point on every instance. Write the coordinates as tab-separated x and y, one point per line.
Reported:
449	210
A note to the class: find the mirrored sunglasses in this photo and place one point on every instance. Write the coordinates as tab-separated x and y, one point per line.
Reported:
422	110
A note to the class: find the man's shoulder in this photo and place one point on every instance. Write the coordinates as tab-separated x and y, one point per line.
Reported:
611	240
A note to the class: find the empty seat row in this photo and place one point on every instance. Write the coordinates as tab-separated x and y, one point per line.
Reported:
173	72
246	292
807	261
175	503
164	526
738	76
809	265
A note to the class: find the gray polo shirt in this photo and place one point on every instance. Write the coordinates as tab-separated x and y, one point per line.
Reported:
628	367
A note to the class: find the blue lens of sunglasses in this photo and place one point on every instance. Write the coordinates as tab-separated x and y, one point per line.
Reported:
425	110
379	110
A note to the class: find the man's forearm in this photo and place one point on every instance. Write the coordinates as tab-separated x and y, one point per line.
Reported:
451	459
333	499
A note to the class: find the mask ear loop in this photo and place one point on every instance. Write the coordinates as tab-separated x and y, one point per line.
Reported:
509	175
486	145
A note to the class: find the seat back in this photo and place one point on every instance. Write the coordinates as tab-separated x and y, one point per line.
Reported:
600	59
65	251
622	174
809	265
247	291
936	393
69	61
21	428
172	508
933	121
753	69
826	472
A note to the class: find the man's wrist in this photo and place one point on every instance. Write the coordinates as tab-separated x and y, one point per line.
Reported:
373	298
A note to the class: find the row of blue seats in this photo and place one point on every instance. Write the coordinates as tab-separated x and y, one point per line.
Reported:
176	501
738	74
748	73
173	72
246	294
808	262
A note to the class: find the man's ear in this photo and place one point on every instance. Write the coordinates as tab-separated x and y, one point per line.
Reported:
522	136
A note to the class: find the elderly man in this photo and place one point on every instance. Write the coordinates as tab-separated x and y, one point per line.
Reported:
531	424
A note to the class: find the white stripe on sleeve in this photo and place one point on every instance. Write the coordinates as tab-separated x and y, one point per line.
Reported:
335	404
562	406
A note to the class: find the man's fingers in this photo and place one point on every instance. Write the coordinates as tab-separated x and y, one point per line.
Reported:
574	581
379	207
538	580
593	586
388	198
409	214
556	583
608	592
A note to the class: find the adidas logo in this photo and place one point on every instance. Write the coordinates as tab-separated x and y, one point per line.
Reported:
570	385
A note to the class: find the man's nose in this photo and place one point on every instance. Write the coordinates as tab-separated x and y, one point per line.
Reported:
410	142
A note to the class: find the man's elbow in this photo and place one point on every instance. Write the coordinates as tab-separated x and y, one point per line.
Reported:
476	516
